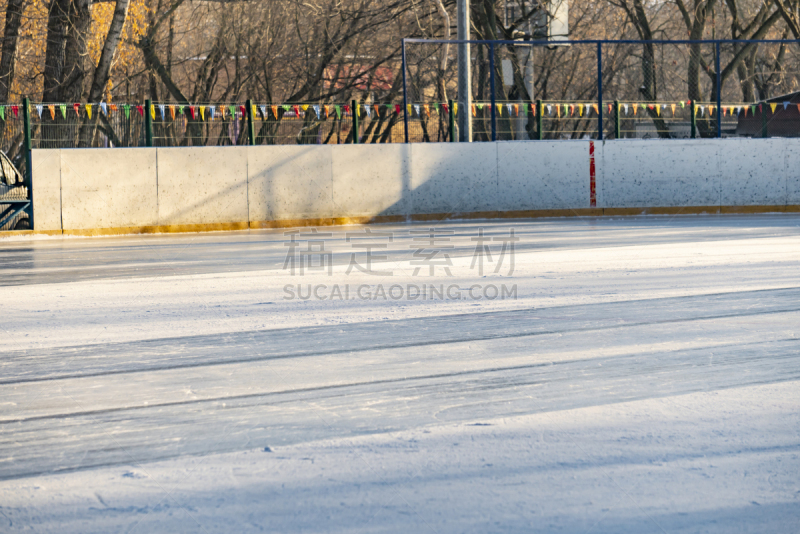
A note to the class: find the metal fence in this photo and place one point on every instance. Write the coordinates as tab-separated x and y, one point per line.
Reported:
519	90
612	89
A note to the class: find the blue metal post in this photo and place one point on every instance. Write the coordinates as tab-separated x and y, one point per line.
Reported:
719	92
491	88
405	94
599	91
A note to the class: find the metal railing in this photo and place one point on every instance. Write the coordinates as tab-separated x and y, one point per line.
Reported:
646	78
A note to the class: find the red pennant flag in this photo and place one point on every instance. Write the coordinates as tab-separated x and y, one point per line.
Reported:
244	111
609	109
446	108
77	108
397	108
651	107
191	111
140	109
296	110
759	108
15	109
346	108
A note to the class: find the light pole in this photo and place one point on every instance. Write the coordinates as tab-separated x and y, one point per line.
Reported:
464	75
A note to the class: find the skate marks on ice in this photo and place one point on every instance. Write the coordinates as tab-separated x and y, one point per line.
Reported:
74	408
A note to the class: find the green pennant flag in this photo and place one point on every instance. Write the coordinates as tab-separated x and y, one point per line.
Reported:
479	106
436	106
338	112
643	106
3	112
63	110
525	108
286	107
233	111
753	110
180	110
388	106
127	109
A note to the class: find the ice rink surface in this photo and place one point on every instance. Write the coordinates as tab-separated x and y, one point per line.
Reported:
632	375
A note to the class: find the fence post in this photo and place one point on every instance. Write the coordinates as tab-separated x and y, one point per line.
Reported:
354	105
764	132
452	115
719	93
405	94
148	124
491	89
251	127
693	111
539	113
600	91
617	129
27	147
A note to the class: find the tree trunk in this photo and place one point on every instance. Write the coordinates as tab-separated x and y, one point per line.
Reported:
57	22
103	69
76	54
10	40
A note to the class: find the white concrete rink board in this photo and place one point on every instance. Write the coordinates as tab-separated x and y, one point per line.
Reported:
543	175
290	182
202	185
641	173
452	178
47	186
371	180
108	188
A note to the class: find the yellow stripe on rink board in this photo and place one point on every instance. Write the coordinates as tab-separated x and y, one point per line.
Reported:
429	217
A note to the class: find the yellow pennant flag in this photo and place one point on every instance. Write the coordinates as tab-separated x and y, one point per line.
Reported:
152	112
634	110
558	111
408	107
596	109
658	110
773	106
580	110
52	112
202	113
304	107
253	110
89	110
673	109
711	109
455	107
499	110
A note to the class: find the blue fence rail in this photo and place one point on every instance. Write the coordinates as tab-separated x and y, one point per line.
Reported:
758	80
